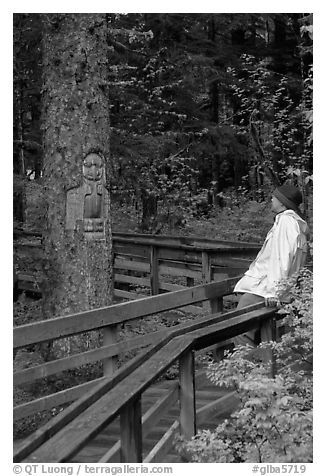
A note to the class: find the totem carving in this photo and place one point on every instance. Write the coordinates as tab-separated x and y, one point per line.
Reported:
87	205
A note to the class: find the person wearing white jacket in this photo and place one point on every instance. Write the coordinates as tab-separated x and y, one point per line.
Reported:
282	255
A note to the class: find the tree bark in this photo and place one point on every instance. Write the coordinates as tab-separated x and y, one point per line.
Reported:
149	213
78	239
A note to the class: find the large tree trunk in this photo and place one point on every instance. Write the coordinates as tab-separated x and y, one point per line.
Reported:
78	238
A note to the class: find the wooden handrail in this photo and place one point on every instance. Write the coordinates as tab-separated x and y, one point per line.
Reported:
53	367
163	239
92	420
192	245
78	323
105	384
70	394
153	255
74	324
174	239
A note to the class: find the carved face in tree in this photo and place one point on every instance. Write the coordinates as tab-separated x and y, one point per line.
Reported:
93	167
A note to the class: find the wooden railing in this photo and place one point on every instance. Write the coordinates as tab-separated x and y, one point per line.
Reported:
106	319
196	260
134	256
155	258
120	395
150	264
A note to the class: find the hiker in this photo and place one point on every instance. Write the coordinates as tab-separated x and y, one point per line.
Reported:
282	255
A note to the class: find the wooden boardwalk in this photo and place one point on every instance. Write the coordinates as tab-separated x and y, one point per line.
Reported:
213	405
136	405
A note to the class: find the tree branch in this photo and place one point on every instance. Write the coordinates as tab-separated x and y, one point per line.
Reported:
123	49
179	152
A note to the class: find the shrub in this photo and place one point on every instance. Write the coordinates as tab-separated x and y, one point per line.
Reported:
273	422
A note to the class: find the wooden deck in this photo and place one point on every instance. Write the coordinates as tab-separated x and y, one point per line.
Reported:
136	404
213	405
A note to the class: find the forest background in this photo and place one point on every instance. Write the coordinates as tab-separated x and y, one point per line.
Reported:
206	112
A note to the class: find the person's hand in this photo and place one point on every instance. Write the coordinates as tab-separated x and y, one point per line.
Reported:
272	302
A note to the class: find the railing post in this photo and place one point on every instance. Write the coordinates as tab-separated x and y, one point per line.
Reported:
113	271
110	334
216	305
267	334
187	395
206	274
154	270
213	305
190	281
131	433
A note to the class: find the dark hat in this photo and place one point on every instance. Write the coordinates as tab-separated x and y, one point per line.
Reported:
290	196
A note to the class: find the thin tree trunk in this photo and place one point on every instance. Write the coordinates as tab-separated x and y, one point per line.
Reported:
20	128
149	215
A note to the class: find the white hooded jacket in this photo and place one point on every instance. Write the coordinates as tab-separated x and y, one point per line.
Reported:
282	255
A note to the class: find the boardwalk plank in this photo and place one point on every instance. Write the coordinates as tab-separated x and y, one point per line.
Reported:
69	440
213	405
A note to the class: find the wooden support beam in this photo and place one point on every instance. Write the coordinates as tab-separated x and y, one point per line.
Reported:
59	327
132	249
190	281
55	366
154	273
94	355
178	268
177	241
121	262
131	432
120	293
123	278
216	304
206	275
110	336
187	395
149	420
54	399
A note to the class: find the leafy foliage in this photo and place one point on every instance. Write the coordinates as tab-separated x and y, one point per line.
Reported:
193	87
273	116
273	422
217	91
